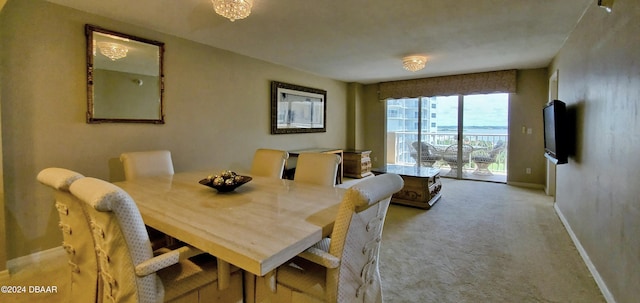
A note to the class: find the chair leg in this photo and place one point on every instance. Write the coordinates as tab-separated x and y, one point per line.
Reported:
482	169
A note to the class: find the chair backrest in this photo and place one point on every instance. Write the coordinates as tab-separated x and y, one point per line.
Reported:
269	163
121	241
466	151
426	149
146	163
452	151
76	234
317	168
497	149
356	237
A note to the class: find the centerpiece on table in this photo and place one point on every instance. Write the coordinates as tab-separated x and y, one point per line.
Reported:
225	181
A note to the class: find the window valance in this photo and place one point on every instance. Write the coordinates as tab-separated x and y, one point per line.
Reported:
467	84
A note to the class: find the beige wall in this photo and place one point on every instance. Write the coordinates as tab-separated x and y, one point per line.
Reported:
3	243
525	109
355	119
375	124
217	112
597	192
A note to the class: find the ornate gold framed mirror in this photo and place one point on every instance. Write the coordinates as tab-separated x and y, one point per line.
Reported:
125	80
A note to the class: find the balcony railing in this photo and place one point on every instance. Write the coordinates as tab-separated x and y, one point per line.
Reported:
401	144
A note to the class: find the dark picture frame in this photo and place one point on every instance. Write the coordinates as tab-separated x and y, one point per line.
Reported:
297	109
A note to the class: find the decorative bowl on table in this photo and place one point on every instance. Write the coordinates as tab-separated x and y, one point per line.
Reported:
225	181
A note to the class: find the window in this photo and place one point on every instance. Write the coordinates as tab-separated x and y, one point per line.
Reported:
481	120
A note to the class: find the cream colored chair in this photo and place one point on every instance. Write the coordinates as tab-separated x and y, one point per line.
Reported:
269	163
317	168
129	270
146	163
76	234
343	268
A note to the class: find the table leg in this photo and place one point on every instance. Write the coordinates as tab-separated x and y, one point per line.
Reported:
270	280
249	287
224	274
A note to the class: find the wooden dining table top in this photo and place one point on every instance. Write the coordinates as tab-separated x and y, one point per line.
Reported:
257	227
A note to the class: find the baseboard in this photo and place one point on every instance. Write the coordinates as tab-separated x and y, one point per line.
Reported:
585	257
527	185
36	257
4	275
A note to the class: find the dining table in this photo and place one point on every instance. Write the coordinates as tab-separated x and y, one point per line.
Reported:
257	227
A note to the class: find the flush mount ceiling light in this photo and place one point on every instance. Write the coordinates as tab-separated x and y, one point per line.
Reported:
113	51
414	63
233	9
606	4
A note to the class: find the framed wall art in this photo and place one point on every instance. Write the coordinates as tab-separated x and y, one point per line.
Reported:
297	109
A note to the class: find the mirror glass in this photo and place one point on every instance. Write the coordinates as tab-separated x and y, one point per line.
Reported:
124	77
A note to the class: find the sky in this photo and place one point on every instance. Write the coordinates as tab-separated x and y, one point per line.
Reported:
480	110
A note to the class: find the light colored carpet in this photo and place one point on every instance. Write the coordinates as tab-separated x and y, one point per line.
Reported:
482	242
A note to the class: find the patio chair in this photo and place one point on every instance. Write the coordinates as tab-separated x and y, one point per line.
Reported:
451	156
429	154
484	158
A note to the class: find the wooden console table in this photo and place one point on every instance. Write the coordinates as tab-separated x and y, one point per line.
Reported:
421	185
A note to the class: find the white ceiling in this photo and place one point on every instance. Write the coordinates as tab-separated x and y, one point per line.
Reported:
364	40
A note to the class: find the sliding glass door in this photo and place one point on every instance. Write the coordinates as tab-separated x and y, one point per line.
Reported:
425	132
486	127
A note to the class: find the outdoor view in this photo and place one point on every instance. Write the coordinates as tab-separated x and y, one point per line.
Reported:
424	132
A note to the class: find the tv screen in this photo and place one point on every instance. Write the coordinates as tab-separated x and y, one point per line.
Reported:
554	116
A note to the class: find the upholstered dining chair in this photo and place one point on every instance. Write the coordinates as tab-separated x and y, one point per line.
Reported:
269	163
317	168
344	267
146	163
76	234
128	268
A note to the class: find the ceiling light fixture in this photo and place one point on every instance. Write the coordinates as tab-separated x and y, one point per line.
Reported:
233	9
414	63
606	4
113	51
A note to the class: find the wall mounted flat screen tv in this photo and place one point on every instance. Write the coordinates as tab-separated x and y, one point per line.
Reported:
554	115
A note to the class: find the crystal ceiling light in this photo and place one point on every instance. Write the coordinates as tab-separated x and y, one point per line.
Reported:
414	63
113	51
233	9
